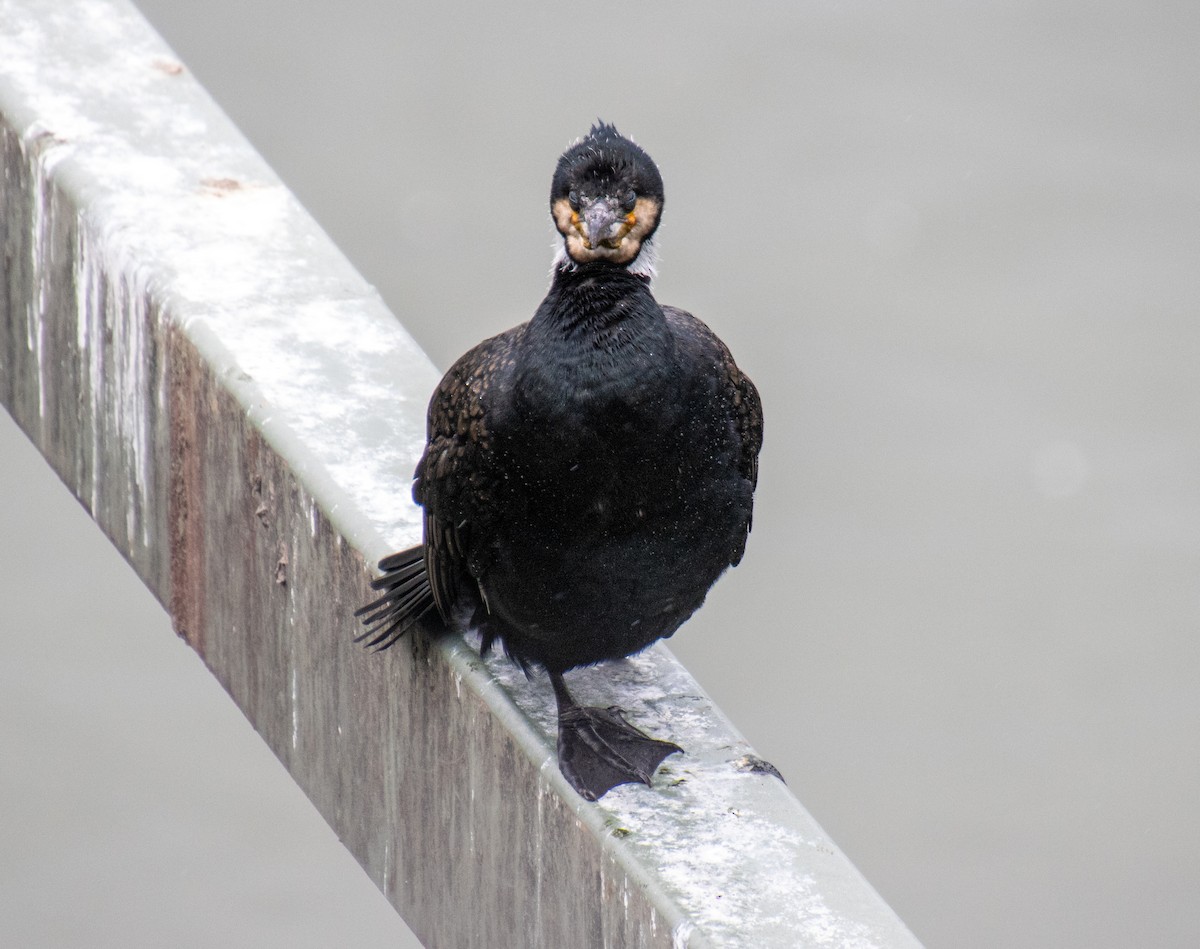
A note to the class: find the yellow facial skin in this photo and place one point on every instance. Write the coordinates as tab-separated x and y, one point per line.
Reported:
620	247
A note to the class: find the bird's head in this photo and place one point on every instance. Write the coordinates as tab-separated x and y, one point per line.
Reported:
606	199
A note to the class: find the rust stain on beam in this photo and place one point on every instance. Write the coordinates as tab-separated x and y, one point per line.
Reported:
186	524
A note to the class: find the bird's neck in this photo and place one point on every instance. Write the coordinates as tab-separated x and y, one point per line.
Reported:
597	300
597	354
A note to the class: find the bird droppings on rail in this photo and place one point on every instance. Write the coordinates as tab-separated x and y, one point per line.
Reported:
295	710
35	315
111	304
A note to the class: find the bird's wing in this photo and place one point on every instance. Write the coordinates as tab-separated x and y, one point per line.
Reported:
739	392
748	407
457	480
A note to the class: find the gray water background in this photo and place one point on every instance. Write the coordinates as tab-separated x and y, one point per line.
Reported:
958	248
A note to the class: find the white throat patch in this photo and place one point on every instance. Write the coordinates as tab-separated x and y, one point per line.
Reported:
645	264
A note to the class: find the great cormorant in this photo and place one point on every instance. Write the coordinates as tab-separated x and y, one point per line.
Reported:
588	474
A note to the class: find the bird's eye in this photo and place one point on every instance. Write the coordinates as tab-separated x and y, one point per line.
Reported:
630	201
573	199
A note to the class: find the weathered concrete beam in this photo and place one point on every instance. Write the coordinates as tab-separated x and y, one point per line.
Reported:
241	414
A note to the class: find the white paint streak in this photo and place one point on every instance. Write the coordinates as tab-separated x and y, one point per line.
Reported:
44	152
471	818
295	710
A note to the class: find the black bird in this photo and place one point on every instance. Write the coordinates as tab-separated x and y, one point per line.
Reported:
588	474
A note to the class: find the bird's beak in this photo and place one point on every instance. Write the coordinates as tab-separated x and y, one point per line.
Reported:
600	220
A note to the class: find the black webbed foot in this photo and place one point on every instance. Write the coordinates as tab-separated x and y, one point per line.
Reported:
598	749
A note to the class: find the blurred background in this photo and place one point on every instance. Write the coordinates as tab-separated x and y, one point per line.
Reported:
958	248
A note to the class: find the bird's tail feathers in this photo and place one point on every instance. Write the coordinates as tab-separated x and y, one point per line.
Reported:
407	596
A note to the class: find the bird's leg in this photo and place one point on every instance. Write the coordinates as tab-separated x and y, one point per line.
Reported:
598	749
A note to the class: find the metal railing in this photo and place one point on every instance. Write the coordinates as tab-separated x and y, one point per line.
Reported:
204	369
